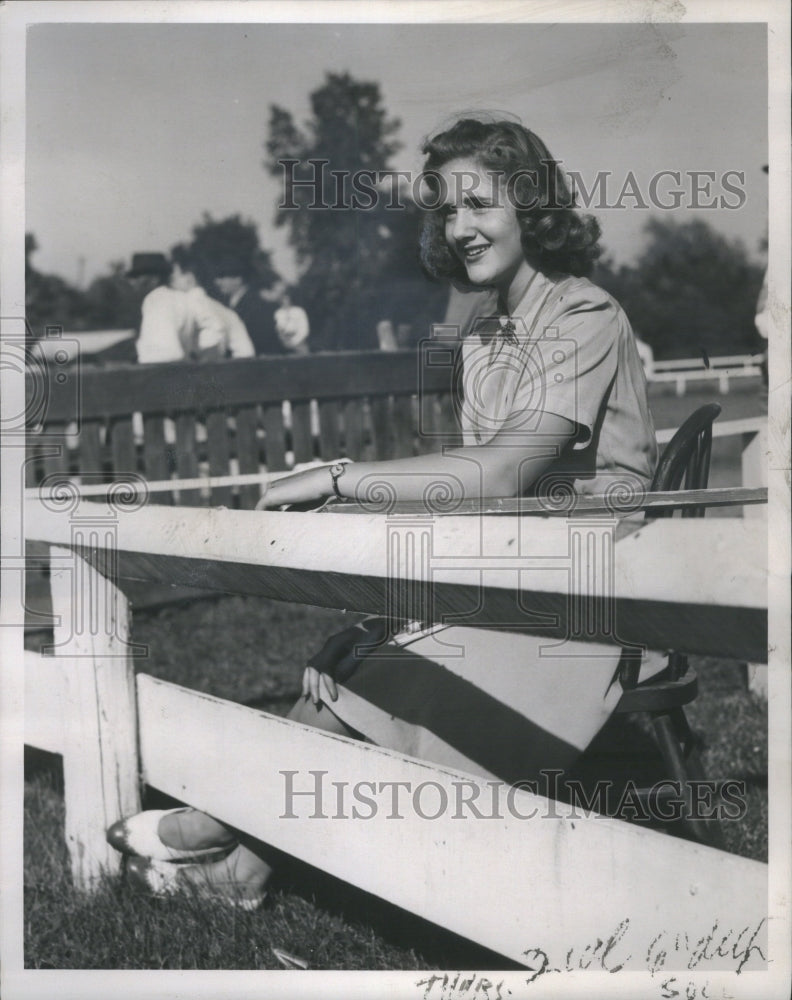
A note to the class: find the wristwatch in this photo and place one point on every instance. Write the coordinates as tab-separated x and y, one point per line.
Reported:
336	472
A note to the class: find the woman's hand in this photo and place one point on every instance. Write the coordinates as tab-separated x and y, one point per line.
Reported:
301	487
339	658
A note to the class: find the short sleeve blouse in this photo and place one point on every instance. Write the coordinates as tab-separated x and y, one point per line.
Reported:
568	350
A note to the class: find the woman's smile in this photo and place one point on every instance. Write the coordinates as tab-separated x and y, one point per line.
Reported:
474	251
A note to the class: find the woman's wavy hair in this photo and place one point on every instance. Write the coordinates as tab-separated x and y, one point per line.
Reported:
555	237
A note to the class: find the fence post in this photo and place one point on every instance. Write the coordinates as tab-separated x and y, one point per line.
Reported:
100	758
754	467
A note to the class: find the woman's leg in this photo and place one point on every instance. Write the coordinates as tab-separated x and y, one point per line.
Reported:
249	866
194	830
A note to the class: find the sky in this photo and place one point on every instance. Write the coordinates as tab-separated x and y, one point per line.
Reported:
135	130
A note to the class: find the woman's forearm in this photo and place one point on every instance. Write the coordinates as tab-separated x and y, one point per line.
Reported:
504	467
464	473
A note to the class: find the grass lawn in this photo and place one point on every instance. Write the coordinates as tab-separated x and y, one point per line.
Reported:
252	650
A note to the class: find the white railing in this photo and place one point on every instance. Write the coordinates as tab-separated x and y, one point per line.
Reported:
514	884
511	885
683	370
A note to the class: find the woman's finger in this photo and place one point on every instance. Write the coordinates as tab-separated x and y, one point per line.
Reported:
305	688
313	682
329	685
262	504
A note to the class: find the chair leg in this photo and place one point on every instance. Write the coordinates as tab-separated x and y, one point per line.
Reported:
673	733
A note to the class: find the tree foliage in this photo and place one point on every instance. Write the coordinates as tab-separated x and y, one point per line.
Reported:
231	243
351	251
111	302
50	300
691	291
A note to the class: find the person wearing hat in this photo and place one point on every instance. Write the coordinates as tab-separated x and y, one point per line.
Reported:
167	326
233	281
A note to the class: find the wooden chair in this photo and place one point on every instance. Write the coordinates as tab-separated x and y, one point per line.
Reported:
684	463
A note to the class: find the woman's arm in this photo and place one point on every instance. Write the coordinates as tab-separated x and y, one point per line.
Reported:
504	467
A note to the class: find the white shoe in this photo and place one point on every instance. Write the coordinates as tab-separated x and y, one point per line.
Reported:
139	834
161	878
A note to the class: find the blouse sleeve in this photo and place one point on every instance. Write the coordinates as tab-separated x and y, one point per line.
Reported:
571	360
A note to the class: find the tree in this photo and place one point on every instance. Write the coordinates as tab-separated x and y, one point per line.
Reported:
348	243
219	244
691	291
112	301
49	300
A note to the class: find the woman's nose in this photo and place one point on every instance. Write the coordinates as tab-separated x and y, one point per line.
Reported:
462	224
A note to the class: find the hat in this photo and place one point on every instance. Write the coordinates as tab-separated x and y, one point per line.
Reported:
148	263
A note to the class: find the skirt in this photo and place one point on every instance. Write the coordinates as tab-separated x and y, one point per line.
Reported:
498	705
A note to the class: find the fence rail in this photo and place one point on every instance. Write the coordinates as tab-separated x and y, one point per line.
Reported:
512	885
720	369
515	884
230	418
243	418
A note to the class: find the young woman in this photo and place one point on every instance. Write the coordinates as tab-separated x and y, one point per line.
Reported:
553	391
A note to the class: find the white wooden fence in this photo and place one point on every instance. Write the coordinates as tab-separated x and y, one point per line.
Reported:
554	885
681	371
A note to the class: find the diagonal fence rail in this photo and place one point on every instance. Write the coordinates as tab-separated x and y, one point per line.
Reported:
513	883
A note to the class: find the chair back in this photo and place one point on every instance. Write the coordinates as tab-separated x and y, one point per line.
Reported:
685	462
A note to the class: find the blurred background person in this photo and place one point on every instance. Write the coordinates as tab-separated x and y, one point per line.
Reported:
292	326
385	336
218	331
234	282
167	325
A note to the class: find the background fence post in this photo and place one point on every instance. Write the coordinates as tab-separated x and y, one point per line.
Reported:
100	757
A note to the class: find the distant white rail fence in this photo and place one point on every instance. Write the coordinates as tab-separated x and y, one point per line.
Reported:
720	369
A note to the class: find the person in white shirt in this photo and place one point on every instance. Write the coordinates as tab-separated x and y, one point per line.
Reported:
219	331
291	323
385	336
167	327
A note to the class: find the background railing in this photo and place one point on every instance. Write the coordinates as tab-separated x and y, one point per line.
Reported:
243	418
240	417
681	371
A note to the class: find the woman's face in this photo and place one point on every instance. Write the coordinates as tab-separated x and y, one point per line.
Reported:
181	280
481	225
